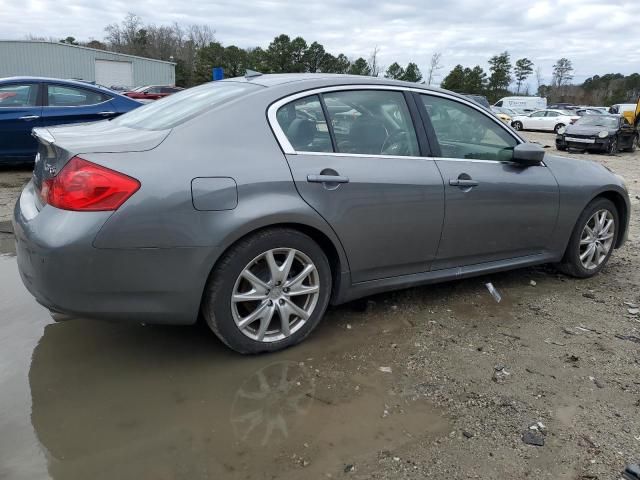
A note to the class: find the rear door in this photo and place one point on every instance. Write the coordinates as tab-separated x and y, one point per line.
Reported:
364	173
20	111
72	104
495	209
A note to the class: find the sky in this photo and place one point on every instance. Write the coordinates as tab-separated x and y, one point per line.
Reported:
596	35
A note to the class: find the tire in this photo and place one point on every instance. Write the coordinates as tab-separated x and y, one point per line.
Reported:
558	127
561	148
228	282
612	146
632	147
571	263
517	125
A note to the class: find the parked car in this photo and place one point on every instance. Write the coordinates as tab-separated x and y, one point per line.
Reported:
152	92
240	200
28	102
548	120
605	133
527	104
504	114
562	106
581	111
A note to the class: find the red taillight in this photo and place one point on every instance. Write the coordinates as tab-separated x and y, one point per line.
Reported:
85	186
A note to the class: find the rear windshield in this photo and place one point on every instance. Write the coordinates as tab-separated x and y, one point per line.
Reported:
182	106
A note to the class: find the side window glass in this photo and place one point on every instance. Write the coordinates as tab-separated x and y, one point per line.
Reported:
552	114
464	132
537	114
63	96
19	95
304	125
372	122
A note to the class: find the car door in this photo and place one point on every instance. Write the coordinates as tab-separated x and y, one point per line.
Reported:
73	104
494	209
20	112
535	121
364	173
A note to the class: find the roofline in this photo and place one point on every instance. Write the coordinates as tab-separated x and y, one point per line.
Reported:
88	48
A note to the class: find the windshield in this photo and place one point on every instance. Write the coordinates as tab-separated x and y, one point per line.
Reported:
598	120
184	105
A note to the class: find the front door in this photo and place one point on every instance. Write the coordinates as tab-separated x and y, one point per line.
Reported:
20	112
363	173
535	121
495	209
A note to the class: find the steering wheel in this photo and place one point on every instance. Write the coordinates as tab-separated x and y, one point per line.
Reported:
397	143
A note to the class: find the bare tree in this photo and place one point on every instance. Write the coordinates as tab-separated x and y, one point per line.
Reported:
374	66
538	74
434	66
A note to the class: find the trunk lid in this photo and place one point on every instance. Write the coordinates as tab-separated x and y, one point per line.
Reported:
57	145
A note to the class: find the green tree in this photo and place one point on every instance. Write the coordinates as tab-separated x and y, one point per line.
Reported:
213	55
395	71
234	61
455	80
500	78
339	64
412	73
522	71
313	57
279	55
360	67
69	40
475	80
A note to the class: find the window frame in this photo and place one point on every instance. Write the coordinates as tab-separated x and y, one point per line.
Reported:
45	95
39	93
425	134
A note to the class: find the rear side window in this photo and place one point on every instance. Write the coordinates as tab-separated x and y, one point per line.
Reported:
19	95
64	96
372	122
184	105
305	126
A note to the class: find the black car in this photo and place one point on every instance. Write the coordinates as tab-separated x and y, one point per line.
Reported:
605	133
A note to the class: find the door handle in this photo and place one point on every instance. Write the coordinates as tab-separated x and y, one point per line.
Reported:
327	179
28	118
463	182
106	114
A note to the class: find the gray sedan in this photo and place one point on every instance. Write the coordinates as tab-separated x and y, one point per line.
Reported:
255	202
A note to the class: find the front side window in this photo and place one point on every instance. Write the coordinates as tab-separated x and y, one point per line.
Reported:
64	96
305	126
537	114
371	122
552	114
19	95
463	132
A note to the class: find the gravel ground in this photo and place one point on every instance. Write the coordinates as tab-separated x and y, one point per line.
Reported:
544	384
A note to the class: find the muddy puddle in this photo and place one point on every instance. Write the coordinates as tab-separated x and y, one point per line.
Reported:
86	399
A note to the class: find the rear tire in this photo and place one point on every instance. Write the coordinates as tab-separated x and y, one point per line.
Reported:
255	303
632	147
561	148
576	258
517	125
558	127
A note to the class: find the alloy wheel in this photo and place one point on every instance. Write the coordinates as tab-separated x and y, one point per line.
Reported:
596	239
275	294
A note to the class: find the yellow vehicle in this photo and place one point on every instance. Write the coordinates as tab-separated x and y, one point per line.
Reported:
630	111
504	114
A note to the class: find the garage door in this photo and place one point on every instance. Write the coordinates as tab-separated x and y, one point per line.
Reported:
110	73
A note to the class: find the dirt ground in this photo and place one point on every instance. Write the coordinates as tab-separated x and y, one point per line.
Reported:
435	382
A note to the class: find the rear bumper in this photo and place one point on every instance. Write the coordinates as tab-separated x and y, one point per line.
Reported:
65	273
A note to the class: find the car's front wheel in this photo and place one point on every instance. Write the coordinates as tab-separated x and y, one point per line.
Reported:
268	292
558	127
592	240
517	125
612	146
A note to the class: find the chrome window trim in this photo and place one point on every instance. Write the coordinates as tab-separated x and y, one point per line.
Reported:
288	149
439	159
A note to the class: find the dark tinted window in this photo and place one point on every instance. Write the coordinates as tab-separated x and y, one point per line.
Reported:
372	122
19	95
303	122
184	105
65	96
168	90
464	132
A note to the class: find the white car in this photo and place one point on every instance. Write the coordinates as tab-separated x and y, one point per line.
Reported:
549	120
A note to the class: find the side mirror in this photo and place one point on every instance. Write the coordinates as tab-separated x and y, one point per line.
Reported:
528	154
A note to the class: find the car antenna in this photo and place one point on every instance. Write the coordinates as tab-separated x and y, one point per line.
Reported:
249	74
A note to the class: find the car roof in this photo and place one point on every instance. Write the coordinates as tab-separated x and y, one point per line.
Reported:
77	83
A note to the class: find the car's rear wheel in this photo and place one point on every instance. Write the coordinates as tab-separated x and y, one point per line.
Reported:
558	127
268	292
592	240
517	125
562	148
634	143
612	146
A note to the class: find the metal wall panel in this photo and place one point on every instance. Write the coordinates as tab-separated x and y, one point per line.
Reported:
58	60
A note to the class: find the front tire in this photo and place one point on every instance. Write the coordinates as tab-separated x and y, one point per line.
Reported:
592	240
268	291
612	146
517	125
558	127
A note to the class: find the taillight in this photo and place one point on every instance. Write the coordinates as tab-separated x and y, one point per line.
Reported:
85	186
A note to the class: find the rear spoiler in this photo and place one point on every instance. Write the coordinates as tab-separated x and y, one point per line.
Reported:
43	135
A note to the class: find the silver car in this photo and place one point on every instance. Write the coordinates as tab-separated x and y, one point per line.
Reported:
255	202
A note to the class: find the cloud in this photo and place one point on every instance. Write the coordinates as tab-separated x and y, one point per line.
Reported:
595	35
